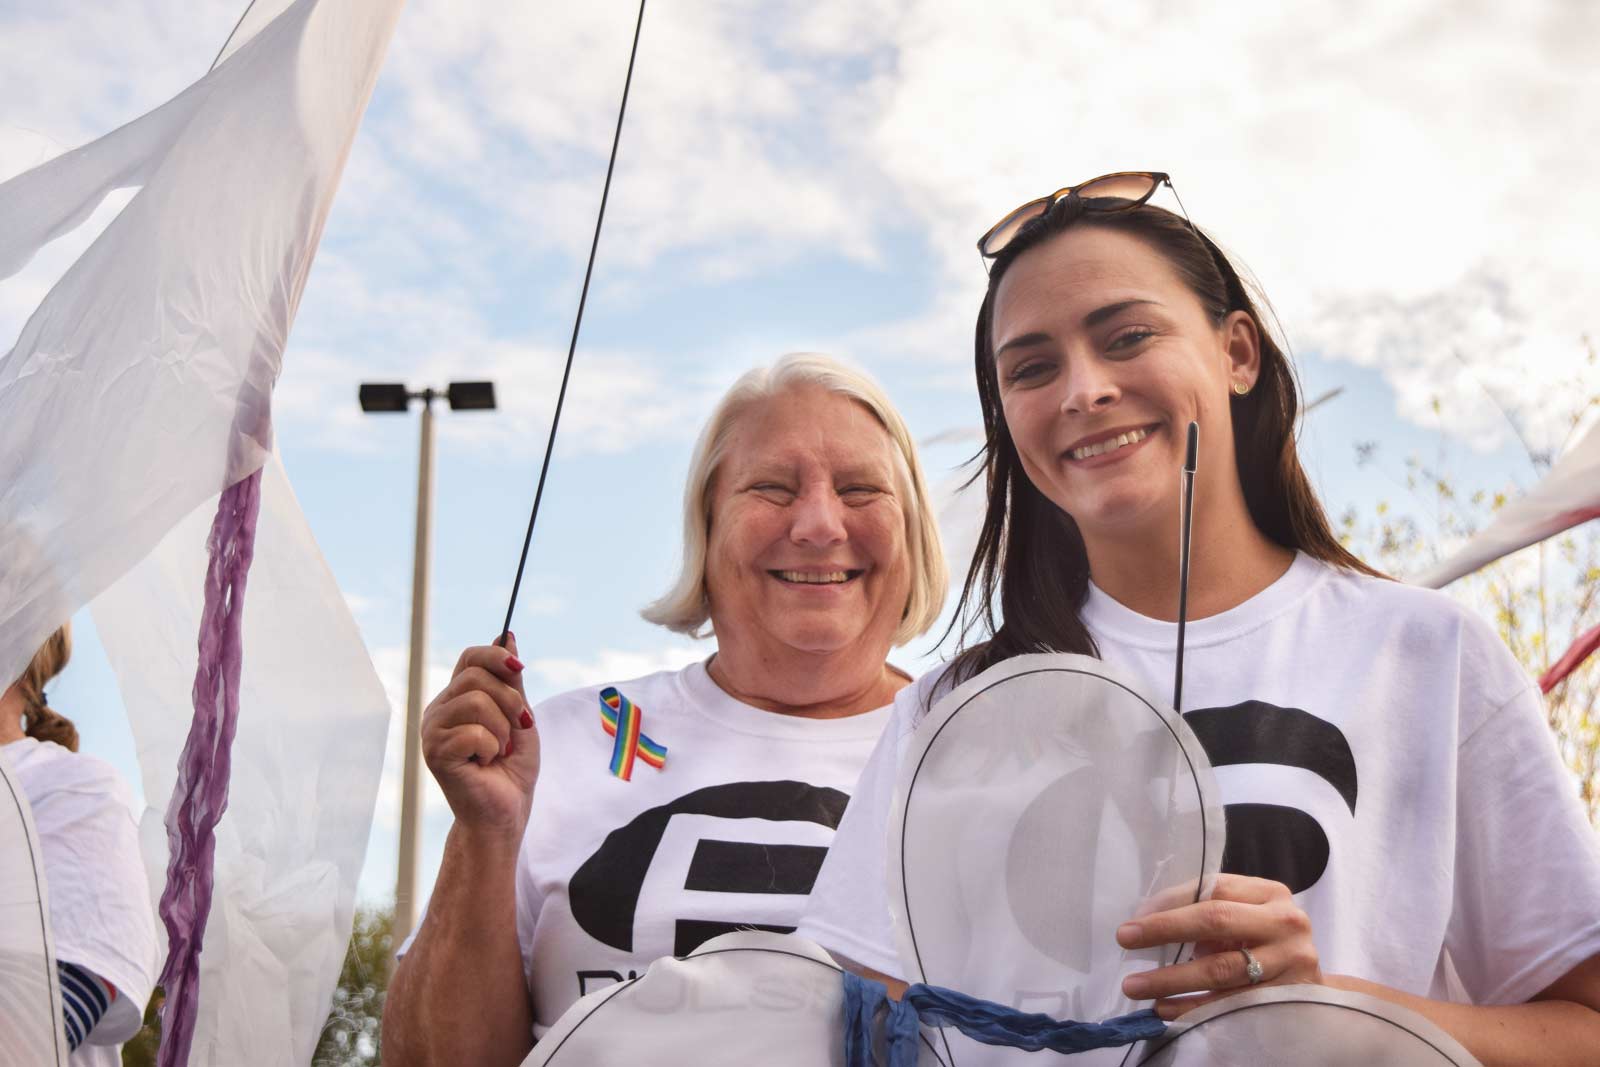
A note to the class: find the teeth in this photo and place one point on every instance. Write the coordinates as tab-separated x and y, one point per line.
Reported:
809	578
1110	444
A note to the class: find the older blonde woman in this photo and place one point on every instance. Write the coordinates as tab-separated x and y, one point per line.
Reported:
810	549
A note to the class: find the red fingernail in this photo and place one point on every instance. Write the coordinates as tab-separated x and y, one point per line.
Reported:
527	719
514	663
511	745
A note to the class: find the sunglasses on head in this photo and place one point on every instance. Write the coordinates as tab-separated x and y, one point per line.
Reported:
1122	191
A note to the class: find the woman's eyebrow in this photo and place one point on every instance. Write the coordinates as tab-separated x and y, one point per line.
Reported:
1024	341
874	474
1091	320
1099	315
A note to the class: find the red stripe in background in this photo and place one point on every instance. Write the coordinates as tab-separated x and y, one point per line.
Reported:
1581	650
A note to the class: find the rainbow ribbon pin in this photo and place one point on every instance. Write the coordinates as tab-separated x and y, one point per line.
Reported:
624	720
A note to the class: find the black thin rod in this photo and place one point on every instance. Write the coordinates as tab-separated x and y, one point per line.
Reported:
577	324
231	35
1191	455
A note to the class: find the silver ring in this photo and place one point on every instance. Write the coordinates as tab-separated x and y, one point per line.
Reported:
1252	967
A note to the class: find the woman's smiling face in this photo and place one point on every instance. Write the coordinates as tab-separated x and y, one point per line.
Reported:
807	551
1103	357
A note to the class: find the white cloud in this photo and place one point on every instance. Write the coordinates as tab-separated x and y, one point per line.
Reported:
742	141
616	402
1480	359
76	69
1368	161
1383	158
613	664
392	663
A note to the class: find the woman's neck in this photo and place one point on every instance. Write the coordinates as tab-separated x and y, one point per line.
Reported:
811	686
11	710
1230	562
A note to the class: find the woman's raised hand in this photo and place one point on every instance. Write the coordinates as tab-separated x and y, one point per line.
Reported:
479	740
1243	913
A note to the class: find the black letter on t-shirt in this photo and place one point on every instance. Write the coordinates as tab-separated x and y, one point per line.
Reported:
604	891
1274	841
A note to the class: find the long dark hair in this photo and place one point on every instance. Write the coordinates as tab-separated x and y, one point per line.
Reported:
1030	551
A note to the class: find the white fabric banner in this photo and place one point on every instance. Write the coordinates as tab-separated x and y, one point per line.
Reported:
136	392
141	385
1568	495
313	718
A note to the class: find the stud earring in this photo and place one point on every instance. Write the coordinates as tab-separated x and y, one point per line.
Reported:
1241	389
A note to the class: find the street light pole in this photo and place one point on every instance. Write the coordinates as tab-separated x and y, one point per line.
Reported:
375	398
405	883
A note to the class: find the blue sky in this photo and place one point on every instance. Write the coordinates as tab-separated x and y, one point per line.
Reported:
1404	179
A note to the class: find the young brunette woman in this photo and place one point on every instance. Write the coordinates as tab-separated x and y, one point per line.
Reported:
1441	862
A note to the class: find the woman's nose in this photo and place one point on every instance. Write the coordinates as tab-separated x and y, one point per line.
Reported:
1089	388
818	518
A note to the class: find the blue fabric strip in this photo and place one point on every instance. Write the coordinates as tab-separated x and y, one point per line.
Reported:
981	1020
996	1024
901	1031
862	999
83	1002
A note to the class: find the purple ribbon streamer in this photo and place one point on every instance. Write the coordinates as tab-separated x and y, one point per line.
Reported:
201	794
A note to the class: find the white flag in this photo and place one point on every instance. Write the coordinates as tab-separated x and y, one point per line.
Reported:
137	391
1568	495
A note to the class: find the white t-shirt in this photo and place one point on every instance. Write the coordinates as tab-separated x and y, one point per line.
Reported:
730	833
1378	749
100	913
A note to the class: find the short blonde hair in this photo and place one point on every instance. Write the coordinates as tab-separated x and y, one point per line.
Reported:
686	608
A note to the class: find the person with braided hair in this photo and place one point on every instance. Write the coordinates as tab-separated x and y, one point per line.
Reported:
100	912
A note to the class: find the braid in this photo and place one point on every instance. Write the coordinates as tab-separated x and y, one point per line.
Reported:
45	724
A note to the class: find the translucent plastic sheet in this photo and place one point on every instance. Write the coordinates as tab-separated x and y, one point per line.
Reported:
1309	1026
307	759
140	386
739	999
30	998
1040	806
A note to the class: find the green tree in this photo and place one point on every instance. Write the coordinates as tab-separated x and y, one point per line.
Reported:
140	1049
1540	599
350	1036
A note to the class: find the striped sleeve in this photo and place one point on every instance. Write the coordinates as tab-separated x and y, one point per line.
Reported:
84	999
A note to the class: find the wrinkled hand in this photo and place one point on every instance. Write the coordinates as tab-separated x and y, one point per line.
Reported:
1243	912
479	740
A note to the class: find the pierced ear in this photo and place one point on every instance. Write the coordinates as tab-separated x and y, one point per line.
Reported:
1242	343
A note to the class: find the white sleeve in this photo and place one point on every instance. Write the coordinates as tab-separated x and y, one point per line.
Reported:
1527	878
100	910
848	909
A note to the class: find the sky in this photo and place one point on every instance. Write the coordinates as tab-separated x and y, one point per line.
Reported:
1408	182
